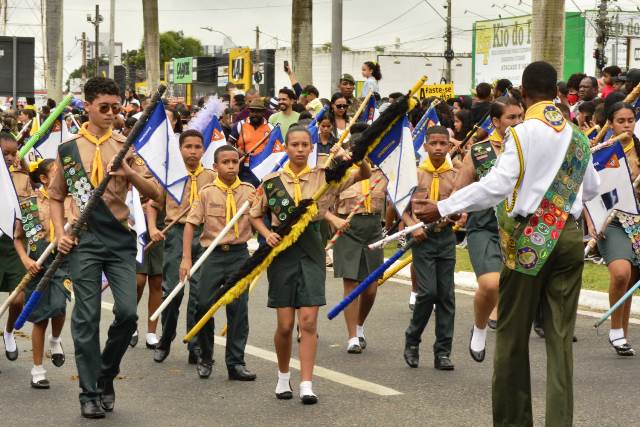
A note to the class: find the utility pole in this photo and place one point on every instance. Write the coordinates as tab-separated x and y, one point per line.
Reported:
302	40
95	21
84	58
152	44
336	43
54	48
448	53
112	30
257	57
601	39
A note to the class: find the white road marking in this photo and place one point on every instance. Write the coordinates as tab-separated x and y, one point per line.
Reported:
321	372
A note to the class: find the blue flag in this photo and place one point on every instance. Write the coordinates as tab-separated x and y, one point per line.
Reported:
160	150
429	119
395	157
213	139
47	146
487	125
369	112
268	160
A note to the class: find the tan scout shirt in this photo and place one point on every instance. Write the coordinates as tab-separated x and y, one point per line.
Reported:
467	171
172	209
423	189
350	197
44	210
22	183
115	195
211	210
309	184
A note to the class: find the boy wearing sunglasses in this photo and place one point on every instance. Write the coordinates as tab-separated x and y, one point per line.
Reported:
105	245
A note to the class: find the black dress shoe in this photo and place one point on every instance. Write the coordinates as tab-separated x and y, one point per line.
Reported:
240	373
42	384
91	409
134	340
11	355
159	354
478	356
539	330
411	355
309	399
443	363
493	324
108	396
58	358
204	368
285	395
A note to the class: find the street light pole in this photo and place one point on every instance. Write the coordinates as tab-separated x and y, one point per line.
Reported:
95	21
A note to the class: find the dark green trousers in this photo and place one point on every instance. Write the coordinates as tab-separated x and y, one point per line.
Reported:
87	262
557	288
434	261
218	267
171	277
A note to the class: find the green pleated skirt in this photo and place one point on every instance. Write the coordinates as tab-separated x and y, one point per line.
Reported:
352	258
11	268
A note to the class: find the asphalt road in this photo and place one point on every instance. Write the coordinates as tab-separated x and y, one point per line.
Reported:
374	388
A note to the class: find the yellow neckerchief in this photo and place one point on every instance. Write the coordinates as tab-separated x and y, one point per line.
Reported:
97	171
435	183
231	201
52	235
297	189
366	192
628	147
193	192
547	113
496	139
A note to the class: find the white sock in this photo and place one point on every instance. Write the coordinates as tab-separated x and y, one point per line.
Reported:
353	341
360	331
55	345
38	373
306	389
479	338
10	341
283	382
616	336
412	297
152	338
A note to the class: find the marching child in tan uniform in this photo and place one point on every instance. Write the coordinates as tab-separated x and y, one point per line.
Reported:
217	204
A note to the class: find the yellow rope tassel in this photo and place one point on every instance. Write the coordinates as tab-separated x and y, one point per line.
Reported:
296	231
251	286
393	270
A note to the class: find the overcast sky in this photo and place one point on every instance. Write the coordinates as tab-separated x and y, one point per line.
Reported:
408	20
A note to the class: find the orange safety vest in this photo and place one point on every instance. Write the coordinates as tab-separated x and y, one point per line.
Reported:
250	136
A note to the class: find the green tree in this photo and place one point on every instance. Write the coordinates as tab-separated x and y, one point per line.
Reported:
173	44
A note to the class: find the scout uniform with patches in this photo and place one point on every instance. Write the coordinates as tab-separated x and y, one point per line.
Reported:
173	254
483	242
105	245
353	259
297	275
545	173
11	268
38	233
217	204
622	235
434	260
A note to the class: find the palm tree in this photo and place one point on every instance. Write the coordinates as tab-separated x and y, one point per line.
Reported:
547	42
54	50
151	43
302	39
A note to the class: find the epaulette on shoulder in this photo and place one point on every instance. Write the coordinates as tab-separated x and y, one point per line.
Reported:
73	137
271	176
119	137
247	184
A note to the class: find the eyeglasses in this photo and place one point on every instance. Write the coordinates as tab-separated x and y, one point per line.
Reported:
104	108
341	106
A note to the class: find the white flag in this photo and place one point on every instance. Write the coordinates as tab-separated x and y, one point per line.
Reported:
137	221
616	188
159	147
395	157
10	207
47	147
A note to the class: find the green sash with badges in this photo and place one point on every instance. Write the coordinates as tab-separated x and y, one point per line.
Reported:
484	157
527	242
631	226
113	234
282	205
32	226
